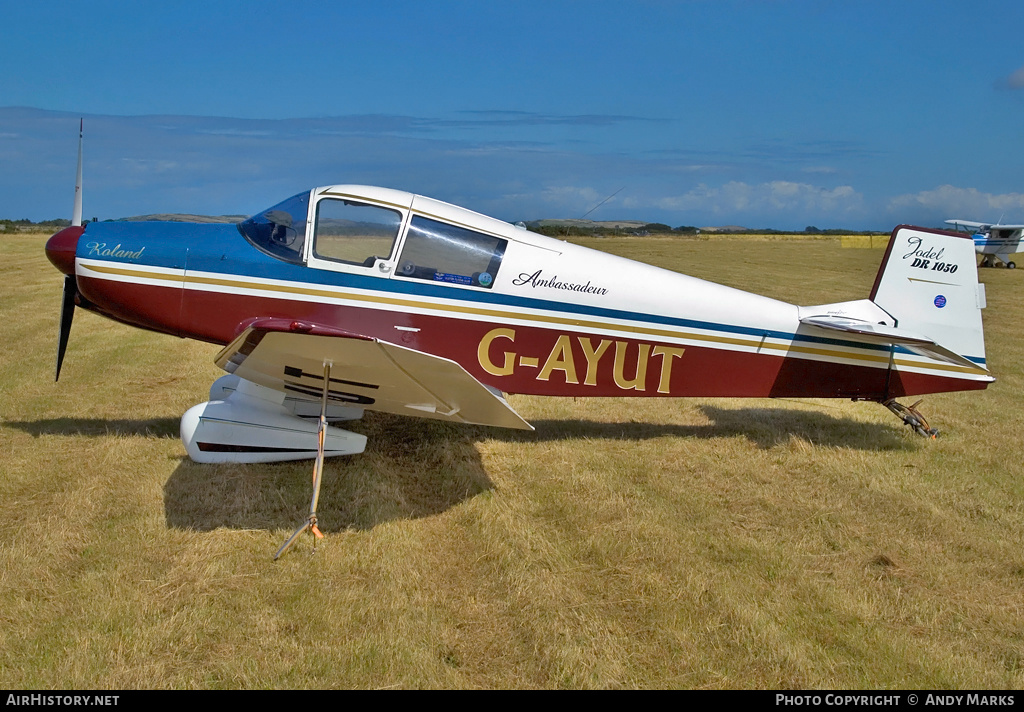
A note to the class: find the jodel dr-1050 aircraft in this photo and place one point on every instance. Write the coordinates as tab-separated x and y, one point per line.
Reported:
348	297
994	241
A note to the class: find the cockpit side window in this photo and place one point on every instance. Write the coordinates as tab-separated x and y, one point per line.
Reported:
441	252
354	233
281	230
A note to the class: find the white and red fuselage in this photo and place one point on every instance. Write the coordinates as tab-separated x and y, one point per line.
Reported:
520	312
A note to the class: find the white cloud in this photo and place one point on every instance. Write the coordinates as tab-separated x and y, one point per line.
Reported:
948	201
820	169
1016	80
775	197
562	195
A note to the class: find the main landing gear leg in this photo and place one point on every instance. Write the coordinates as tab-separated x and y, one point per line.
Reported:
912	417
318	471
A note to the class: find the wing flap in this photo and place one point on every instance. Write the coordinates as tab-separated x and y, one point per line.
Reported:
365	372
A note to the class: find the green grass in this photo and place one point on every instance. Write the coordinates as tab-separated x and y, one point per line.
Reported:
626	543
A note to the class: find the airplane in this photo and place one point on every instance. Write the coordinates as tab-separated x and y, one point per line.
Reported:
347	298
993	240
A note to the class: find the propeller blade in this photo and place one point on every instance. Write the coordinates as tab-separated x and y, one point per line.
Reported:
67	313
67	304
76	213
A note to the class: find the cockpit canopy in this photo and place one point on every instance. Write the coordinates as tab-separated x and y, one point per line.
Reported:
281	230
349	234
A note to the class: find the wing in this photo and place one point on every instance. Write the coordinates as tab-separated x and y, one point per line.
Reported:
881	334
368	373
969	223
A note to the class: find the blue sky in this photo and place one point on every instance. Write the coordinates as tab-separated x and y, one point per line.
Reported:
777	114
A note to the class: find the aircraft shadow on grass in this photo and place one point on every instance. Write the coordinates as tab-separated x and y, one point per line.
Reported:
765	427
418	468
411	468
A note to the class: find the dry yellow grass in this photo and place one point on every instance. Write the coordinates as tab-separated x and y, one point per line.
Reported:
625	543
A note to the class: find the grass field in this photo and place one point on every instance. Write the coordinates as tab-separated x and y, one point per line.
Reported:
624	544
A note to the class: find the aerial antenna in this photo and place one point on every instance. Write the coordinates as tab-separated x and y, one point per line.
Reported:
601	203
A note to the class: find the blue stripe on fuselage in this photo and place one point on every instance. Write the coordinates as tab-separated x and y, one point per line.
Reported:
220	248
157	244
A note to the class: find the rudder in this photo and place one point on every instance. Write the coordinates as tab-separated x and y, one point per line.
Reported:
928	283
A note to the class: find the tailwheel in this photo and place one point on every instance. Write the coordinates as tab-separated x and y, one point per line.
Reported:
910	415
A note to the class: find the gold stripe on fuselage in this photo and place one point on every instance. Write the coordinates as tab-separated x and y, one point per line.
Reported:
757	345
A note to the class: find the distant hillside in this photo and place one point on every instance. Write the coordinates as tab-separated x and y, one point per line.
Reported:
589	224
605	225
725	228
177	217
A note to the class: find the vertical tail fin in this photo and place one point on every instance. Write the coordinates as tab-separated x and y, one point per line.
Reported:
928	283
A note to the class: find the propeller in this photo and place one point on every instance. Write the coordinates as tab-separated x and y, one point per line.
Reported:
61	249
76	213
67	313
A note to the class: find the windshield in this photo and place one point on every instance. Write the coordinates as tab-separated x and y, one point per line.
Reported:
281	230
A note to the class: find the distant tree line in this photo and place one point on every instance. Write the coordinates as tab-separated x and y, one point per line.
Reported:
601	231
811	230
563	231
29	226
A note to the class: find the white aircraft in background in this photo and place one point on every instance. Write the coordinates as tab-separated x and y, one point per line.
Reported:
994	241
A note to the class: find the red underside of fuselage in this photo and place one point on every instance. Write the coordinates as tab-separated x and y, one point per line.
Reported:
544	360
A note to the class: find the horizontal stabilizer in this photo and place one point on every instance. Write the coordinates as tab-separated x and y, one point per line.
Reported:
882	334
